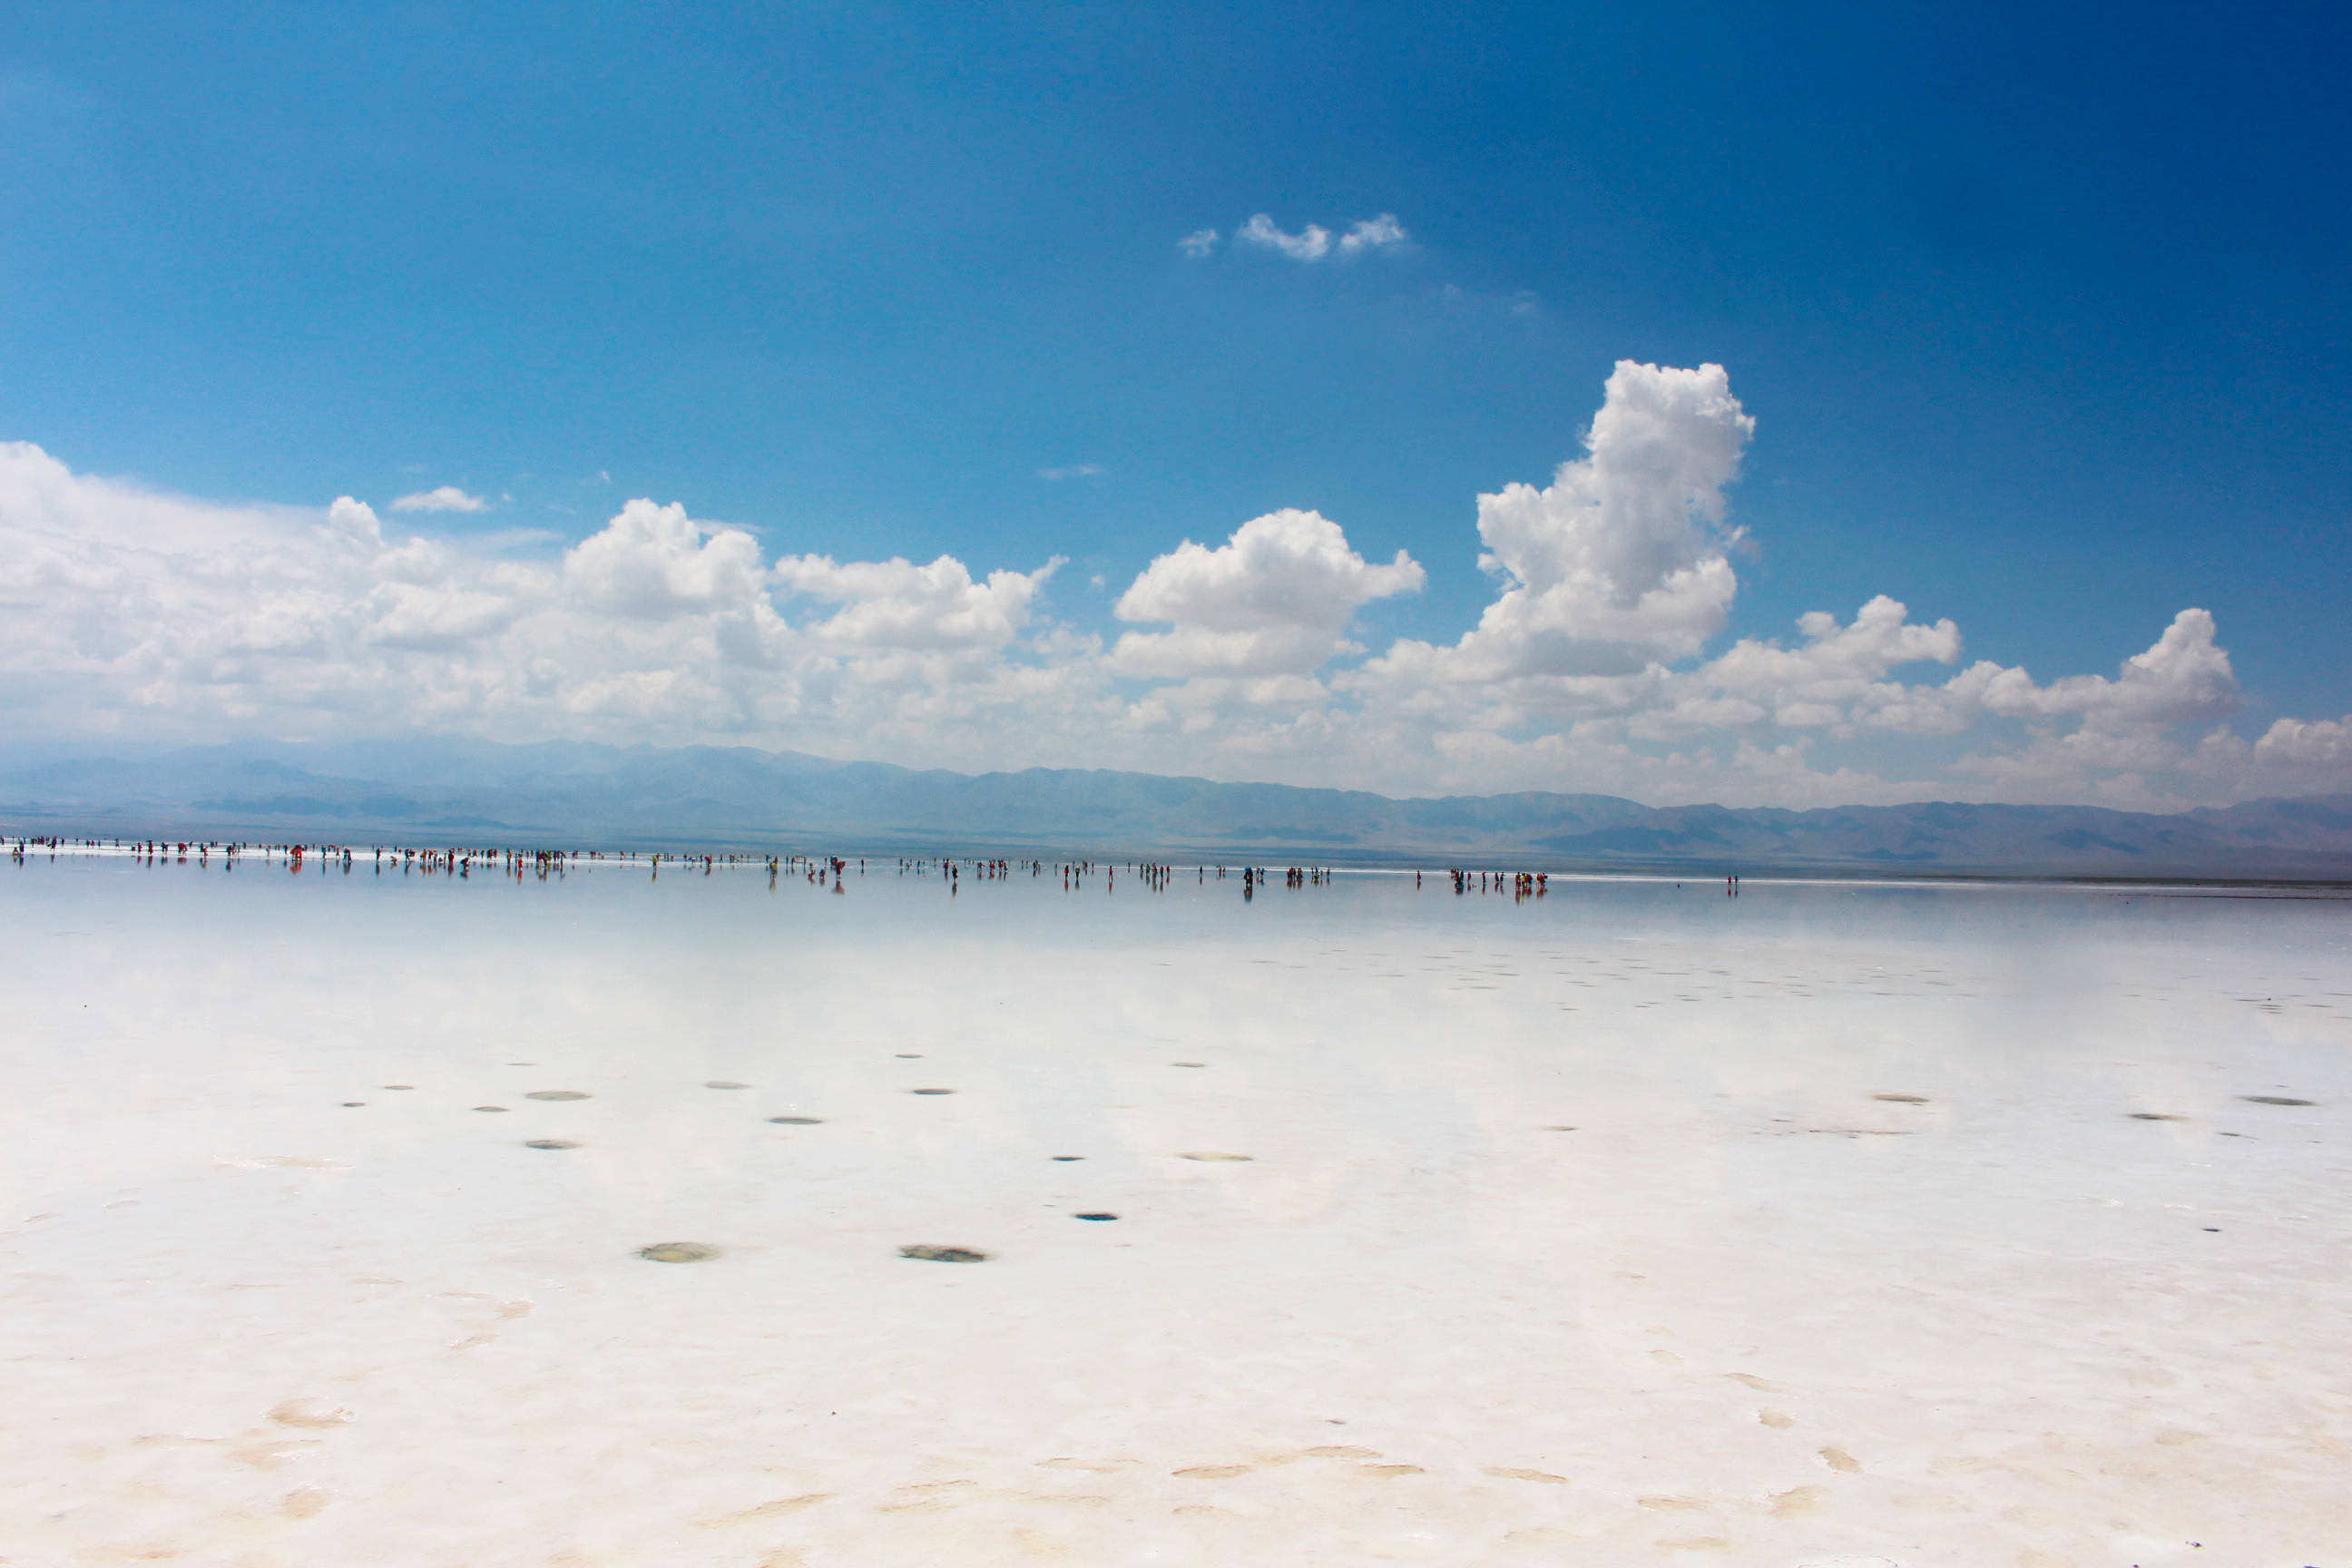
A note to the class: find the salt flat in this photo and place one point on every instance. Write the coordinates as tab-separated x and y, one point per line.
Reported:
1636	1224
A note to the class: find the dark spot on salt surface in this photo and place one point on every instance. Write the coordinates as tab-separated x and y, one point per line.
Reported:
400	1086
910	1056
1066	1159
796	1120
930	1254
723	1083
1214	1155
489	1108
2214	1229
353	1104
1902	1098
1188	1064
1094	1216
550	1144
930	1091
677	1252
555	1094
2156	1116
1556	1129
2274	1099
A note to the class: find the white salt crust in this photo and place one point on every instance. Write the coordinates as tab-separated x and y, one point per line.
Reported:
1747	1311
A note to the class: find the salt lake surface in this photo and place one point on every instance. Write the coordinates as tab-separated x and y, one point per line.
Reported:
1833	1225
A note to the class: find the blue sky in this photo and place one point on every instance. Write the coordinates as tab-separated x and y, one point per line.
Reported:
2038	313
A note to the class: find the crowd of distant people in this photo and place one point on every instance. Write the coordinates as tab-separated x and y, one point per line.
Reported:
819	871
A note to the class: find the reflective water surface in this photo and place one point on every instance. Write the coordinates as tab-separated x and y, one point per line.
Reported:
606	1219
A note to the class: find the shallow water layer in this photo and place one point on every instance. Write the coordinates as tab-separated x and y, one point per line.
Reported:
1824	1225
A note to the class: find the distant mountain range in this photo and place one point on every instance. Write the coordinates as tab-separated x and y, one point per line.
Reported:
564	794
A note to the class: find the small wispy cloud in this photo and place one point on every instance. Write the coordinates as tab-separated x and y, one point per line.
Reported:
441	498
1199	244
1373	234
1314	242
1517	302
1310	243
1072	472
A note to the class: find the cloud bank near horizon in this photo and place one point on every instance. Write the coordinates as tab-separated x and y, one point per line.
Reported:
134	613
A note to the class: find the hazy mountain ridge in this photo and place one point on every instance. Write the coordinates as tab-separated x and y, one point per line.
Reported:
582	794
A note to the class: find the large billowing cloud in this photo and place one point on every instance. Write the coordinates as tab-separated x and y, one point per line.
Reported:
1598	665
1621	558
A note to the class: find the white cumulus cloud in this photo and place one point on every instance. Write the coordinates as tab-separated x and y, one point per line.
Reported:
1622	558
2307	742
2184	676
1199	244
896	604
1834	681
1273	599
654	562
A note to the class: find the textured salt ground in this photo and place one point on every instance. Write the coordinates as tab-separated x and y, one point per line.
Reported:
1860	1248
